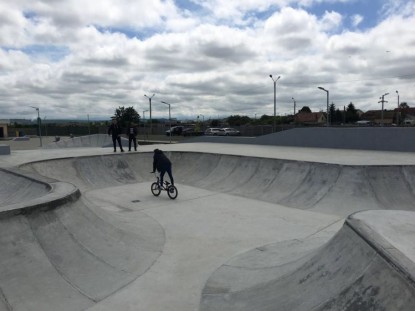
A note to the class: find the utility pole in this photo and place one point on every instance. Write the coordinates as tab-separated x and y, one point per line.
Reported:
327	111
383	101
151	120
399	111
275	101
294	105
38	123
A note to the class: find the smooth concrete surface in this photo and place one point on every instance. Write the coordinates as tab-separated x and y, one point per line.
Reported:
4	149
347	273
357	138
253	228
95	140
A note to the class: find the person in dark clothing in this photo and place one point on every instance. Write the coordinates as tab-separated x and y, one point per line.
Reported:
132	134
163	165
115	131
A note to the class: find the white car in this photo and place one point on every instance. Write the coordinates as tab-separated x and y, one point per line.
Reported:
231	132
214	131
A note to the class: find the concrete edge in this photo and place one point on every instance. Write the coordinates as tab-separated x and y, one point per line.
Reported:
59	194
394	257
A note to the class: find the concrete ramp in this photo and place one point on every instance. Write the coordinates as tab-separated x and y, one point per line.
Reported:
16	188
96	140
85	254
73	256
329	188
367	265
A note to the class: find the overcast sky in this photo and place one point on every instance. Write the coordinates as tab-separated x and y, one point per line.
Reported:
74	58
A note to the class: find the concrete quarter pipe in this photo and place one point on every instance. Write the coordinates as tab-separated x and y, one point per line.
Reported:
80	253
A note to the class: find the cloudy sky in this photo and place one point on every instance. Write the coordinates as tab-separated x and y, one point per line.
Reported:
73	58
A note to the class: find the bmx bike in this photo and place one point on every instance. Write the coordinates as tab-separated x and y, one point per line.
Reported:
156	188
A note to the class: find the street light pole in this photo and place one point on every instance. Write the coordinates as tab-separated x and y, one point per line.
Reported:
275	100
383	101
169	117
327	91
294	105
398	114
151	120
203	122
38	123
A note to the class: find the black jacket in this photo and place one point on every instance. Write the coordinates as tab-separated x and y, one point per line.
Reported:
115	130
132	131
160	161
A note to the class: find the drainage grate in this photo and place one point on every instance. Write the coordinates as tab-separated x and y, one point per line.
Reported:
135	201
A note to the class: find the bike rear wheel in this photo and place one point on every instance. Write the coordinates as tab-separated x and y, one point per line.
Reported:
172	192
155	189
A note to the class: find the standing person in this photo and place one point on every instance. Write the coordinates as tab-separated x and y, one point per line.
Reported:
132	134
115	131
163	165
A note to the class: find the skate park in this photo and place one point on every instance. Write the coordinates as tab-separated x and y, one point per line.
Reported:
287	221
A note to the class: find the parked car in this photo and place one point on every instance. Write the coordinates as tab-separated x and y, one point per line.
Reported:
190	131
175	130
214	131
231	131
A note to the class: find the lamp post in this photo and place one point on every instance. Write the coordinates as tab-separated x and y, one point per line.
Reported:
203	121
294	105
327	91
151	120
275	100
399	112
144	127
383	101
38	123
169	117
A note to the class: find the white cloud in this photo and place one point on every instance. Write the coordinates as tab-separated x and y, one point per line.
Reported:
356	20
199	65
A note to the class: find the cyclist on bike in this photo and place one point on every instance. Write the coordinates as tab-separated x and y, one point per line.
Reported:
163	165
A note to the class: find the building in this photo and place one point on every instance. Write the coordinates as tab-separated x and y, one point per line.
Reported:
310	118
3	129
375	117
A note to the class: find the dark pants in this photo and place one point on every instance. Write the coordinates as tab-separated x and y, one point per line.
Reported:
162	172
114	141
132	138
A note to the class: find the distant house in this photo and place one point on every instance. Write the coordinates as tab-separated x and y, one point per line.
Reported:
406	115
375	116
310	118
3	129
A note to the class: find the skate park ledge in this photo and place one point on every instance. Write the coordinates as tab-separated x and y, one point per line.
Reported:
58	193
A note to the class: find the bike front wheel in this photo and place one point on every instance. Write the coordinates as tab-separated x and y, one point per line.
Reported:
172	192
155	189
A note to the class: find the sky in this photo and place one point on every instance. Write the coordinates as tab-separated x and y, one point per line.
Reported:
207	58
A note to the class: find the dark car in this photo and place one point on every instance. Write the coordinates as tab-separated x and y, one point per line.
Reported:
175	130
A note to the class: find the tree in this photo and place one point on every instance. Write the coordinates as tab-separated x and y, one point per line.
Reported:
351	114
238	120
305	109
403	105
332	113
125	116
339	116
214	123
